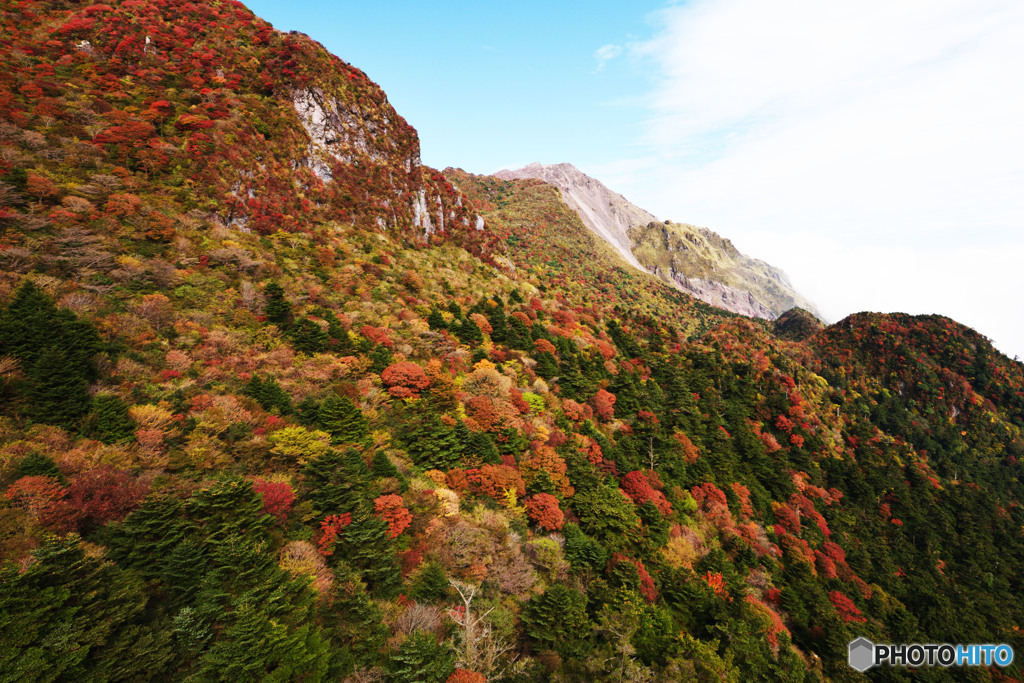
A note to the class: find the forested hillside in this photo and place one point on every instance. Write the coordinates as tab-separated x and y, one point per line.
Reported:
276	404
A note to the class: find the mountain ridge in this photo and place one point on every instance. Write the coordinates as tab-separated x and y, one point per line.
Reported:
695	260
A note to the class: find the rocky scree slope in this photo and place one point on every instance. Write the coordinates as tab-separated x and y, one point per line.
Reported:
695	260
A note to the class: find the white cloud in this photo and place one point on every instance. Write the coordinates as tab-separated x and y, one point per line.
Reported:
874	150
606	53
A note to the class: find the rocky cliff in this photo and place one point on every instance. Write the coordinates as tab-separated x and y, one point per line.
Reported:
711	268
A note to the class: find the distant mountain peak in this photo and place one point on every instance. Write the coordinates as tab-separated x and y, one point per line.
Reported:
696	260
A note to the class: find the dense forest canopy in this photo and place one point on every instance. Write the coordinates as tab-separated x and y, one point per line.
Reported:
276	411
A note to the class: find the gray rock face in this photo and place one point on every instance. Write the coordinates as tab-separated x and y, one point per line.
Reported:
697	261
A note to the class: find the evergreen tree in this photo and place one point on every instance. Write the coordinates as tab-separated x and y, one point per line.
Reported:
112	423
582	551
623	340
365	546
547	365
58	392
383	468
431	583
436	320
353	623
277	310
66	616
421	659
32	325
469	332
518	335
257	647
557	619
308	412
337	481
570	380
269	394
35	464
499	323
431	443
148	535
381	357
308	337
342	419
483	446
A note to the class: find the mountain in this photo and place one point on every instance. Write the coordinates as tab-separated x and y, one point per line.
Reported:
709	267
608	214
261	419
696	260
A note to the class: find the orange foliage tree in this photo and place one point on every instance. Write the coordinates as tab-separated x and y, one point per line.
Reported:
543	509
392	509
405	379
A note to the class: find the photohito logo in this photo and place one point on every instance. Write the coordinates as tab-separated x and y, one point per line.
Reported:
863	654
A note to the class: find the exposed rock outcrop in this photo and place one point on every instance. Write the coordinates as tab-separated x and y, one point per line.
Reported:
695	260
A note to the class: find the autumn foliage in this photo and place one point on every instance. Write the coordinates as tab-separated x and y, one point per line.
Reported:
405	379
392	509
543	509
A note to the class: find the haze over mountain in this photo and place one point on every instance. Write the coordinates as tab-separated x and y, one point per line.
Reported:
696	260
278	402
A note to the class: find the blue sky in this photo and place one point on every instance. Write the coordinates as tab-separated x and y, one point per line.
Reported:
491	85
873	150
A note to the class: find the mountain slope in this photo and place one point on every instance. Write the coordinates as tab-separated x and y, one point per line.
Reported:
710	268
606	213
695	260
314	445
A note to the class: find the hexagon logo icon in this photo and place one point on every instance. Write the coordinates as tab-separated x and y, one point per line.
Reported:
862	654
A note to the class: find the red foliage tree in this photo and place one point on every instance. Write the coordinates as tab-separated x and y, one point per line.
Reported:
378	335
545	458
708	495
391	507
743	493
717	583
465	676
494	480
405	379
604	404
39	495
690	451
330	527
845	608
543	509
103	495
638	487
277	497
542	345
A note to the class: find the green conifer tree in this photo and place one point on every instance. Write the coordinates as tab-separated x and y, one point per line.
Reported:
309	337
436	320
421	659
365	546
277	310
342	419
58	392
557	619
337	482
113	424
383	468
352	622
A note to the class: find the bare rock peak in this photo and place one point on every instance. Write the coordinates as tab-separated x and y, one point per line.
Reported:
693	259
